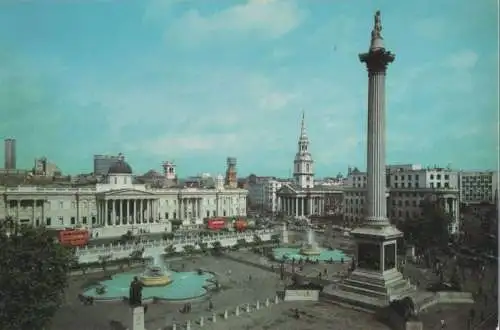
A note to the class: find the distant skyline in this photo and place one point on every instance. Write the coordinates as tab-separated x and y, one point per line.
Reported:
196	81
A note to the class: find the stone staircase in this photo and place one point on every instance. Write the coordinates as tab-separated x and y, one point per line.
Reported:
369	293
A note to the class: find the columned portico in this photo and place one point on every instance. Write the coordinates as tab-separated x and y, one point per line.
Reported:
122	211
190	209
302	205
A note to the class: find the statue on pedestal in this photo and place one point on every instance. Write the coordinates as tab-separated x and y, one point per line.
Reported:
377	26
135	293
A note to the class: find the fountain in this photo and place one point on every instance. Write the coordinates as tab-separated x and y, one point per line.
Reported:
155	275
159	284
311	251
311	248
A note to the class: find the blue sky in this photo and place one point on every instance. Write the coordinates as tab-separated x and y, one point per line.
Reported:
197	81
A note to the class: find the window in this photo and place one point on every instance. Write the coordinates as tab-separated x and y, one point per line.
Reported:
73	220
446	176
224	213
432	177
94	220
49	221
166	215
174	215
214	214
416	176
439	176
307	168
73	205
439	184
446	184
61	220
116	181
432	184
61	205
37	222
416	184
84	220
396	185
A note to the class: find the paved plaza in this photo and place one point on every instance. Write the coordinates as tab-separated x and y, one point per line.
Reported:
242	284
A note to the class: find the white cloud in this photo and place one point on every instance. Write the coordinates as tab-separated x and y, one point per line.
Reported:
463	60
266	18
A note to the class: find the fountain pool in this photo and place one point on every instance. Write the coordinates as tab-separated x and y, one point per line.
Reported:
310	251
158	284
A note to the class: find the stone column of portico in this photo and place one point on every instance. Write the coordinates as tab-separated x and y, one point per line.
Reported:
311	200
296	208
106	212
128	211
138	211
376	61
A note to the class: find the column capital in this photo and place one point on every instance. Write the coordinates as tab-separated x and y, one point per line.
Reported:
377	60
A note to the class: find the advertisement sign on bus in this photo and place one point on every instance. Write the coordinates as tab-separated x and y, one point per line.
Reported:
216	224
73	237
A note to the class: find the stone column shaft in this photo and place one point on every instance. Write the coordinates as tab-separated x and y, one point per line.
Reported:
376	207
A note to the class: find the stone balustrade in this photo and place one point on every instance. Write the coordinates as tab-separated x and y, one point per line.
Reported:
120	251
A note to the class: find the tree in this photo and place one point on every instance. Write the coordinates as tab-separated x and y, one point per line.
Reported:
188	249
104	260
275	239
429	232
257	240
127	237
203	246
241	242
217	247
168	236
33	277
170	250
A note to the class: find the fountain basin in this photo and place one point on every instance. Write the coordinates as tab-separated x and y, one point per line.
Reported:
155	276
317	254
181	286
310	250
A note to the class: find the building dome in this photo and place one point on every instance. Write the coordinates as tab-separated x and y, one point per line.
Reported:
120	167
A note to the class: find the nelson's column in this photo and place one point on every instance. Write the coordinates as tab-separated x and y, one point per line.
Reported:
376	280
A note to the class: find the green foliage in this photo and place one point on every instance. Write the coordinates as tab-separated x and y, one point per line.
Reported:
170	250
127	237
203	246
189	249
168	236
431	231
275	239
241	242
217	247
33	277
257	240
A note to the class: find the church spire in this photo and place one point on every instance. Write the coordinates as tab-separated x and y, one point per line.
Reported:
303	132
303	163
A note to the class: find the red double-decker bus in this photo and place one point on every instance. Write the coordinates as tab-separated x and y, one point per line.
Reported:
216	223
73	237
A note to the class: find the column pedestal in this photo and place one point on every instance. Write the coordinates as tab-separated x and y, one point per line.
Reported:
137	322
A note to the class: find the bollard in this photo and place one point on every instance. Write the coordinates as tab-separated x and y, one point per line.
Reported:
257	305
248	308
276	300
202	321
225	314
214	317
237	311
267	302
188	325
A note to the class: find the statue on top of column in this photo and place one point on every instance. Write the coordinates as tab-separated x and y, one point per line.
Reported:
377	27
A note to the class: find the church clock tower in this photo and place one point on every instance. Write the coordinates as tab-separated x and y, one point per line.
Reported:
303	163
